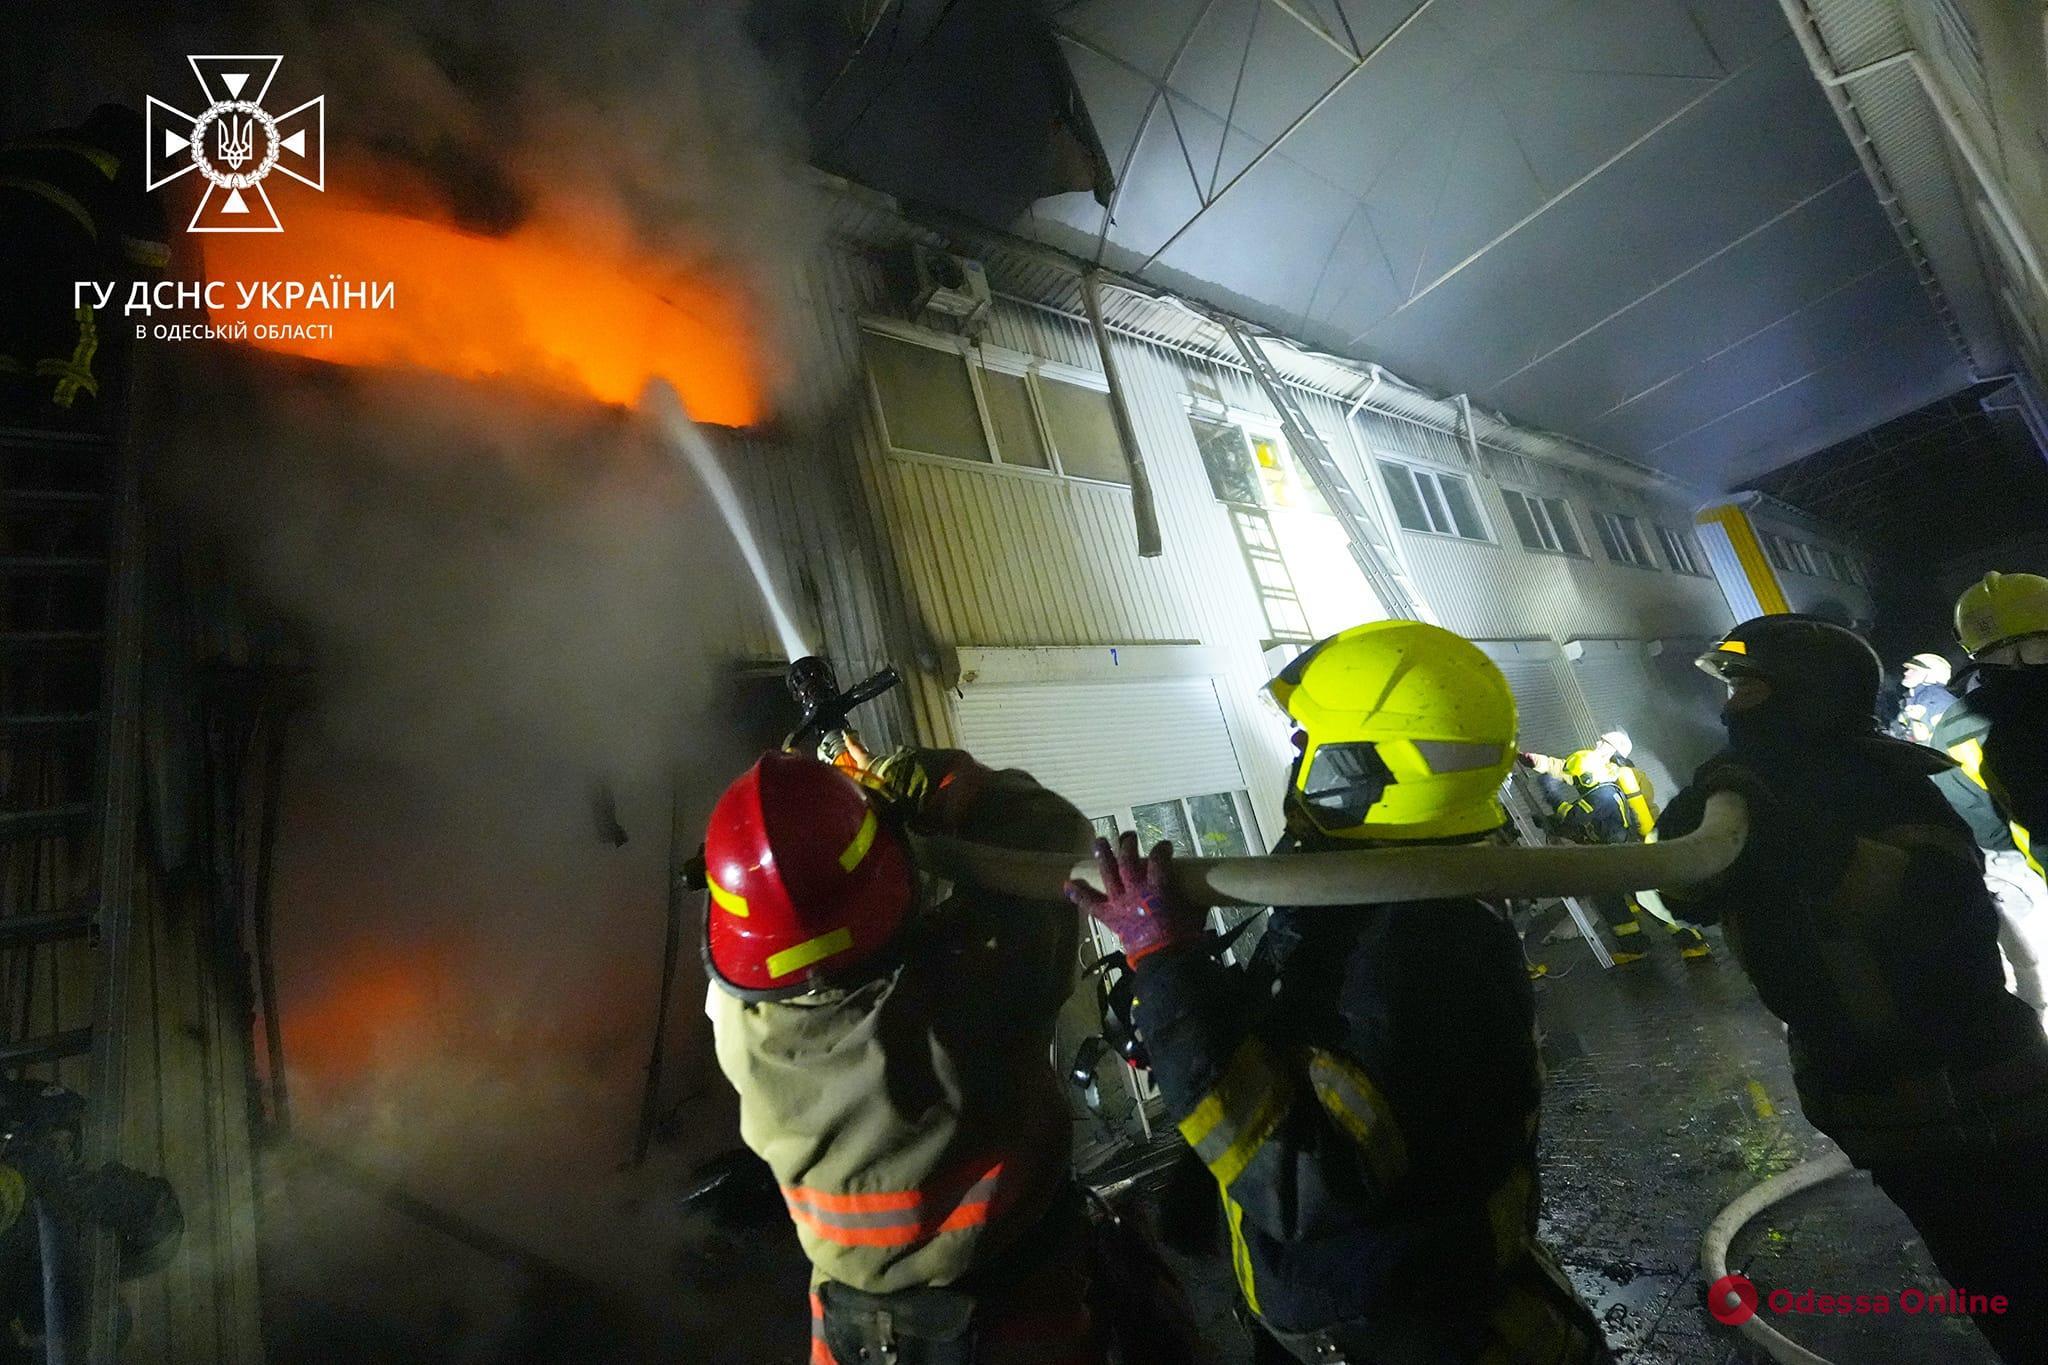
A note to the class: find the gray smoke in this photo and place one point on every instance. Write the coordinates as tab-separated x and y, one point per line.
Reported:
506	604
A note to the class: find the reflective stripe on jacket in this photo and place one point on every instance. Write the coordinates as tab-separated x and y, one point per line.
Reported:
913	1122
1372	1125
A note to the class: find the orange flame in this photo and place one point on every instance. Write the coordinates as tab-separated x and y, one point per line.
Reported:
376	998
572	310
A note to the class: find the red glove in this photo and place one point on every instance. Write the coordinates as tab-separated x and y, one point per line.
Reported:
1139	907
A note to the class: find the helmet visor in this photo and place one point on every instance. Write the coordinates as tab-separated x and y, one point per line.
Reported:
1343	783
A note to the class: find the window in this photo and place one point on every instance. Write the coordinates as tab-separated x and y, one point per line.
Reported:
934	402
1801	555
1282	478
1016	426
1857	575
1211	826
927	400
1227	456
1433	501
1774	548
1622	538
1542	523
1678	550
1083	431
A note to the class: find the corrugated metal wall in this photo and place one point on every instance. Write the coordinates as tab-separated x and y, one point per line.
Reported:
1805	592
904	559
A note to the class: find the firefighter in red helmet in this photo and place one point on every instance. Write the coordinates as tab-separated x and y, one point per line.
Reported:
888	1036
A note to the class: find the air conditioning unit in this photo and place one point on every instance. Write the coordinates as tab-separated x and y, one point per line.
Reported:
949	284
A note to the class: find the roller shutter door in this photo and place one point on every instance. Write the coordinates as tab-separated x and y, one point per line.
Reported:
1105	746
1550	719
1669	708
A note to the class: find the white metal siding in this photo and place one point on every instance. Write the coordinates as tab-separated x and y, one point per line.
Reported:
1105	746
1615	680
1550	717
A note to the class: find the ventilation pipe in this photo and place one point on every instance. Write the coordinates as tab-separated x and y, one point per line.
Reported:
1142	510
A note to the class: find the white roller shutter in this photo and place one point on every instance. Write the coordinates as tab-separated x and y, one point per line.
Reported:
1105	746
1669	708
1549	719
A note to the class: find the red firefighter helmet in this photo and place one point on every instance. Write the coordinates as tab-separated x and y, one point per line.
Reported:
806	879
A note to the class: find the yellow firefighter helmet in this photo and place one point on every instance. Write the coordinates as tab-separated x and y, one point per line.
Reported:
1409	730
2001	608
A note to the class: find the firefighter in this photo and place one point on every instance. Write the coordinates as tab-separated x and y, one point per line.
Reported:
73	208
1598	796
2002	621
1925	678
889	1046
1859	910
1369	1109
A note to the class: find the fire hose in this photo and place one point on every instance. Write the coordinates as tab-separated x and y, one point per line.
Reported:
1720	1232
1379	876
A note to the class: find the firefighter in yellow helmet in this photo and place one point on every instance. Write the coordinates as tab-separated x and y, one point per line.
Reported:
1998	729
1366	1095
1598	796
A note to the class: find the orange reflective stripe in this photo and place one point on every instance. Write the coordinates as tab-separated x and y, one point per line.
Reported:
821	1354
851	1203
892	1218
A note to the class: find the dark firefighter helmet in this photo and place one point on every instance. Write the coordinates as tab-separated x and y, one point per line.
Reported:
1820	676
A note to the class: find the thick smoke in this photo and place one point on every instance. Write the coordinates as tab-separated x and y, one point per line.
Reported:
518	617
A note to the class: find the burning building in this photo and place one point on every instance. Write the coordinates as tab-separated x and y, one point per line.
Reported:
370	671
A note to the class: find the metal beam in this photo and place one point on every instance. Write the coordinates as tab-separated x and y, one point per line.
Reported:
1289	131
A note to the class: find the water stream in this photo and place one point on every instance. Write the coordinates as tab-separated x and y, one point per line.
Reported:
684	437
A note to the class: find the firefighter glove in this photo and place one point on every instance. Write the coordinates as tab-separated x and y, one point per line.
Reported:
1137	902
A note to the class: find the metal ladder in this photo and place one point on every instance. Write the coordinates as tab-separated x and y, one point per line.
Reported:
1370	548
70	670
1375	557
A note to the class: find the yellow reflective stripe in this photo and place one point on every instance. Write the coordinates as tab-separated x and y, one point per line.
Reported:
1349	1096
43	189
732	902
1240	1253
863	840
76	373
1631	927
1237	1116
144	252
104	161
1756	566
815	950
13	1196
1732	647
1970	756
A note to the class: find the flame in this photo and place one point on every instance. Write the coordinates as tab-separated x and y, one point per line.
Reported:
571	309
375	1000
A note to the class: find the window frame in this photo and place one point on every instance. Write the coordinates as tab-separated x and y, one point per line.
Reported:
1412	469
1690	559
1615	524
1543	517
978	359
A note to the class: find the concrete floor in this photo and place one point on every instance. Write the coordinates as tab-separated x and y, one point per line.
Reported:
1669	1095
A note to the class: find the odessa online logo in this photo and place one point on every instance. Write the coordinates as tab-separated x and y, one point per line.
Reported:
235	143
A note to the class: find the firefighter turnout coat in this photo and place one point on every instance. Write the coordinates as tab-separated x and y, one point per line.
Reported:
1371	1124
1598	800
1859	910
913	1122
